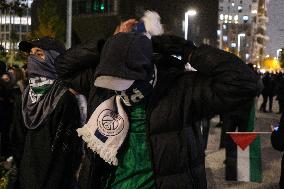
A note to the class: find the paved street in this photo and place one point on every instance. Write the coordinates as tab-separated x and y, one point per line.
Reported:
271	159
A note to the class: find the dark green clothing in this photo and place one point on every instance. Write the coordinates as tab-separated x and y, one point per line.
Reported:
134	169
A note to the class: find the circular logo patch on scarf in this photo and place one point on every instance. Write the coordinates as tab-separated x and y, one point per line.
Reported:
110	123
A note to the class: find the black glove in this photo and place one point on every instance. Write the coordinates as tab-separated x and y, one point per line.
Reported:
173	45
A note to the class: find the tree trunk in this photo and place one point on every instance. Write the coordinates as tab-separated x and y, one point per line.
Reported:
10	28
1	27
5	30
20	32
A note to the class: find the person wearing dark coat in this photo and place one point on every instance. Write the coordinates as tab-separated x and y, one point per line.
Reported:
17	131
280	92
6	109
179	99
52	150
277	141
268	92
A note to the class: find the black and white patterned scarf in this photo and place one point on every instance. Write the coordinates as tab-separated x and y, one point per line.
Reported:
137	92
108	126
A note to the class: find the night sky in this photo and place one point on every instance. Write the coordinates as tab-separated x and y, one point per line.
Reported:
275	26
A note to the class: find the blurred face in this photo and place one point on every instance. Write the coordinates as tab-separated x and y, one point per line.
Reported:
38	52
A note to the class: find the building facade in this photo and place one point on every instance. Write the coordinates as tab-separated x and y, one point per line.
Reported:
260	33
15	23
202	27
95	7
241	25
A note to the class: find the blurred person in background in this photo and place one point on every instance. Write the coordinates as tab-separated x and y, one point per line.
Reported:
277	141
6	109
17	130
280	91
268	92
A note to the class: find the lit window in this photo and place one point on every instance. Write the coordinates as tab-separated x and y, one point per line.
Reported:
233	4
225	38
99	6
236	17
240	8
233	45
226	17
254	11
247	56
221	17
218	32
224	26
245	18
230	17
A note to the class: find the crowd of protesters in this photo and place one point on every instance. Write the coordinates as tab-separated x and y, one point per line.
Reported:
12	84
151	119
273	87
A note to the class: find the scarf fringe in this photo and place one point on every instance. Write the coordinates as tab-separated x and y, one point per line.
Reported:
108	154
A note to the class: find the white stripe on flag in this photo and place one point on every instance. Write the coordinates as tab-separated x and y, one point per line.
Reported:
243	164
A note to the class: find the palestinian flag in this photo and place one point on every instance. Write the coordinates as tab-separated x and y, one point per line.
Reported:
243	154
244	158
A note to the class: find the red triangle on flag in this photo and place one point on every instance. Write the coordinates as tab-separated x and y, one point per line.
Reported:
243	140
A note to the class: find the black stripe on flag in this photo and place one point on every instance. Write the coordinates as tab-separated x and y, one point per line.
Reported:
231	160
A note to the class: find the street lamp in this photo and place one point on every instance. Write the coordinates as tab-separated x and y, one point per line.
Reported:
239	41
189	13
278	53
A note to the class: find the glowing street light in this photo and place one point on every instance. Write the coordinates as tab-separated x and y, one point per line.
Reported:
189	13
254	11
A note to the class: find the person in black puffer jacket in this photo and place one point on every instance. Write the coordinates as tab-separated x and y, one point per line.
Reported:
179	99
277	141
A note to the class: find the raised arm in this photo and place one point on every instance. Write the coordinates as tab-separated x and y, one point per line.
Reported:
222	82
76	67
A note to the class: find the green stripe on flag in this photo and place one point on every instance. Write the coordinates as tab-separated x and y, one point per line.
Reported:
255	161
255	151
